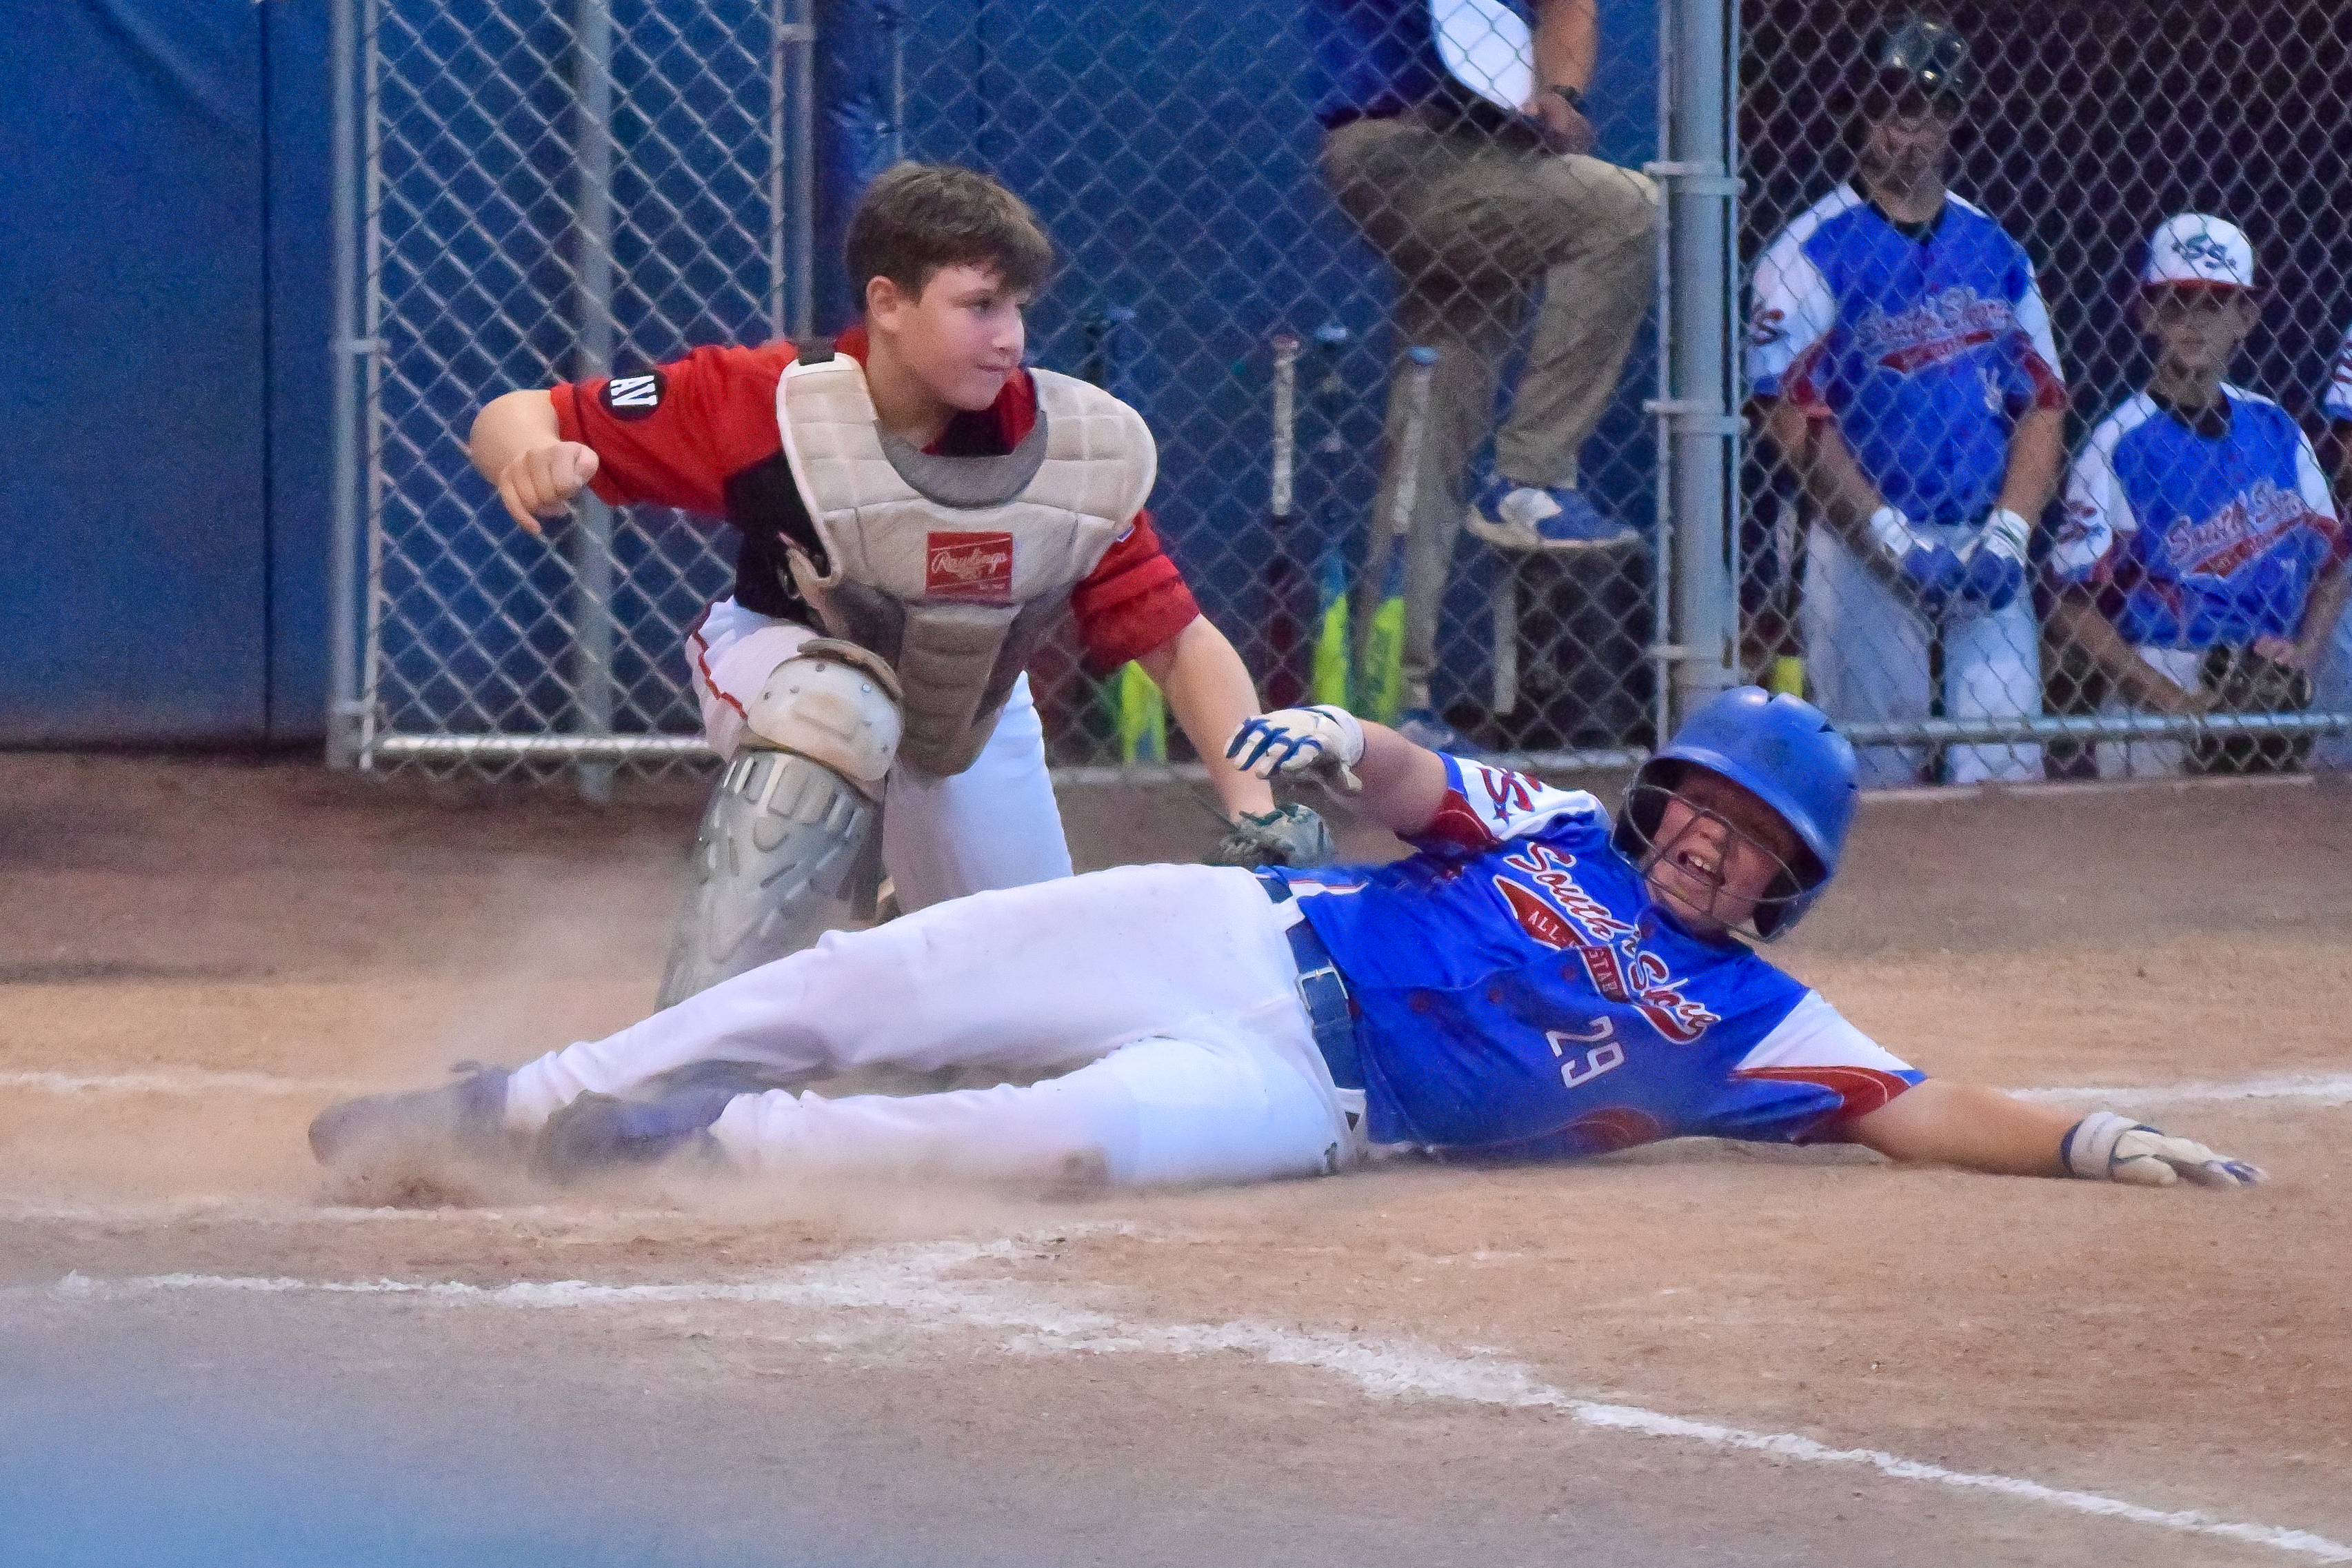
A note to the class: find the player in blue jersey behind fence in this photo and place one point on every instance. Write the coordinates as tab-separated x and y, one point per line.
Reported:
1902	352
2200	565
1535	981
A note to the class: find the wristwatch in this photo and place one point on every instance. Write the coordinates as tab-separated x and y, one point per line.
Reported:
1574	98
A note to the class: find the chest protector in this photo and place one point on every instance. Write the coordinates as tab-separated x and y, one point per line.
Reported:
953	569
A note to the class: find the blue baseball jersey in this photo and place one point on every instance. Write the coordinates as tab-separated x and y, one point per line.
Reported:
1924	351
1521	997
2206	540
1380	58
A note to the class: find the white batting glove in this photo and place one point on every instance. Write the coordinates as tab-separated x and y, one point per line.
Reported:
2104	1147
1290	741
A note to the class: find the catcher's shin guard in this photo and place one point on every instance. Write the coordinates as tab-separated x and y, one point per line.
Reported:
793	828
780	854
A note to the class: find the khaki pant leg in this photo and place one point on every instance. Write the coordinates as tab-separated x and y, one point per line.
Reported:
1594	227
1405	186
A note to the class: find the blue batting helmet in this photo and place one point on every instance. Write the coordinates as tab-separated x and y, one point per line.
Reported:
1783	750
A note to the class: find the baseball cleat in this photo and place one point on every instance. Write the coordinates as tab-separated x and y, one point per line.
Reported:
1513	516
671	1114
467	1118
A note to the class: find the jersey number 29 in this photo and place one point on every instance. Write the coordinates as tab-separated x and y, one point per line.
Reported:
1581	1067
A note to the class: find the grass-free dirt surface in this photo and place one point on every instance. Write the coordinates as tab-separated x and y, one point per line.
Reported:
1404	1365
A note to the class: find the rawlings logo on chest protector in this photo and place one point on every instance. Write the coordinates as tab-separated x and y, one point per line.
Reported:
975	568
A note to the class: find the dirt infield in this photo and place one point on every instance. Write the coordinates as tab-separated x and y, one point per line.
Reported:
1682	1354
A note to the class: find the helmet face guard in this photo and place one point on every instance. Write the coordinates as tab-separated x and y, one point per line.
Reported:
1764	917
1783	750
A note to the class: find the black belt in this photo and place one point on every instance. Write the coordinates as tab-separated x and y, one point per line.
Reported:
1330	1013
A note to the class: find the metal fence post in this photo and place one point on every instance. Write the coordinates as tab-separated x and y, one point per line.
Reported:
1701	429
591	533
344	499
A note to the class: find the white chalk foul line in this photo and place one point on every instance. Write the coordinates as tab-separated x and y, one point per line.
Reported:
188	1082
2323	1089
914	1280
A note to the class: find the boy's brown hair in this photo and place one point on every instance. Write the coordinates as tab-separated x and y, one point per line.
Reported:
916	218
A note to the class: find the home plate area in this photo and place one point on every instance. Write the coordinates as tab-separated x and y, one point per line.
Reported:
1686	1353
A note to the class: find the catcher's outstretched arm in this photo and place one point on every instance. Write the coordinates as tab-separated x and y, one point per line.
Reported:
1210	692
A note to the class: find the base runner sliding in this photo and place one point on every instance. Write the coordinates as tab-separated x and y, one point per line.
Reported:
1535	981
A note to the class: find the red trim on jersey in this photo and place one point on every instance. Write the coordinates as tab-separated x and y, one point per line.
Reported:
1860	1090
1798	387
702	662
717	417
2339	537
2049	392
1456	821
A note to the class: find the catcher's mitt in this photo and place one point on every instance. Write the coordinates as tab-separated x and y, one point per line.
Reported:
2243	681
1289	835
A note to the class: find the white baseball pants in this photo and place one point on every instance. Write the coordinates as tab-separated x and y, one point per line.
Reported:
1175	984
992	826
1867	655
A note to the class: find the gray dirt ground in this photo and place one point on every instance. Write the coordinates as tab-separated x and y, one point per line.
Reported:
1412	1365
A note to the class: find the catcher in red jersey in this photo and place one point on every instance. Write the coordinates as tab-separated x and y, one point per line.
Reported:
918	511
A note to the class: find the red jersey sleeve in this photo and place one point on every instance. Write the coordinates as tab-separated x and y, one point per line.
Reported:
1132	601
673	436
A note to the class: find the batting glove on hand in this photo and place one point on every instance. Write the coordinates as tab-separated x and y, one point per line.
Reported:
1290	741
1996	561
2104	1147
1933	573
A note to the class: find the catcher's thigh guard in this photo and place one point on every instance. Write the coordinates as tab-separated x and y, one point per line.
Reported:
782	845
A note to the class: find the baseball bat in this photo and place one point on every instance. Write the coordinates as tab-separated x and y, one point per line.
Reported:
1334	646
1382	667
1282	685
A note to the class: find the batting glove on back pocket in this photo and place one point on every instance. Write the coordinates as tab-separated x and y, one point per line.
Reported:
1290	743
2104	1147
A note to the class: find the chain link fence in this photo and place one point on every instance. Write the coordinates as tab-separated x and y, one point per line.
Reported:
545	190
550	193
2183	562
1263	212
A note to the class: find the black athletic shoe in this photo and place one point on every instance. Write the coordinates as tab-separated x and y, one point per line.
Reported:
599	1132
467	1118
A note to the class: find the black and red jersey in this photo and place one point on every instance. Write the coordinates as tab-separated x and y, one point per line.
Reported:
699	434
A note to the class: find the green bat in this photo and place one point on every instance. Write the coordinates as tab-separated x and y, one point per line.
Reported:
1380	678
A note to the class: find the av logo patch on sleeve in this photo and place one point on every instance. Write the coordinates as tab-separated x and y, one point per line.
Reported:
635	396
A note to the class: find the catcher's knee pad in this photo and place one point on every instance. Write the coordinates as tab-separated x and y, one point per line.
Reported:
833	703
782	843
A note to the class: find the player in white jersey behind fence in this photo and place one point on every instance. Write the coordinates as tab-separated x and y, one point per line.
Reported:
1535	982
2200	563
1903	353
